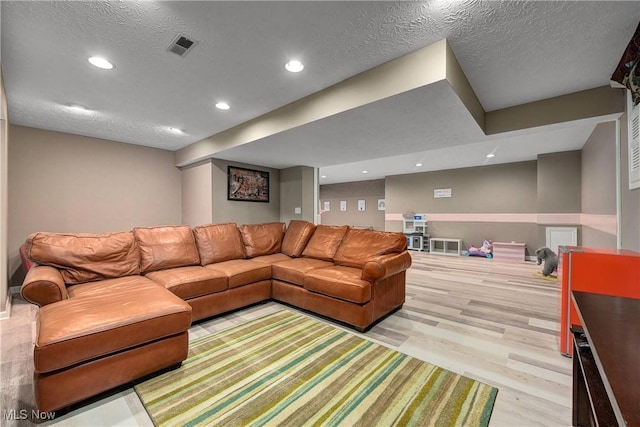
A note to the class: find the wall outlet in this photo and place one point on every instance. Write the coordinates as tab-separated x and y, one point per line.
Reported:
297	210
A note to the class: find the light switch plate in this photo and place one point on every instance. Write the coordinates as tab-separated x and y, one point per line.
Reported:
297	210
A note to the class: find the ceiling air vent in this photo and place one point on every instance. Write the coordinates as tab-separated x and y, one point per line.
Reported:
181	45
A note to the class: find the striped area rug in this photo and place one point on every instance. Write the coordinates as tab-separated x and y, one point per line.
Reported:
286	369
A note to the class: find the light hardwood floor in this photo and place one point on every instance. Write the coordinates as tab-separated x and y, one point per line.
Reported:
493	321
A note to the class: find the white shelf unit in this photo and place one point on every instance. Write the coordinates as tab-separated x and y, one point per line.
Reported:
445	246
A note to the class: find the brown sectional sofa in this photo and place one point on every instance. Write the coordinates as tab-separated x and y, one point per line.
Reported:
115	307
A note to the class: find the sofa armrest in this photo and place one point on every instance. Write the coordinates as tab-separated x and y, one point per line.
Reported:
386	265
43	285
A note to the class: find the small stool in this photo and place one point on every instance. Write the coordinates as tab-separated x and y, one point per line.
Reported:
92	343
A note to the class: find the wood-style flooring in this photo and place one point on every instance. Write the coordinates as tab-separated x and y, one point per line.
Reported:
493	321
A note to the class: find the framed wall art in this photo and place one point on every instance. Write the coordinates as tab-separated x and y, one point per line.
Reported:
247	185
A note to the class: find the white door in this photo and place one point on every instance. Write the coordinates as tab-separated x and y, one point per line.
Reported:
561	236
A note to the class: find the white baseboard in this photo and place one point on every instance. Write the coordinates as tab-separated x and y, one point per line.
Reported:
15	290
7	310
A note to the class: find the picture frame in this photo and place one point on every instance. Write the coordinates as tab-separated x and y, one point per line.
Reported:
381	205
247	185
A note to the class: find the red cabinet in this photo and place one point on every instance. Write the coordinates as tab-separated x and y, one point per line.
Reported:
599	271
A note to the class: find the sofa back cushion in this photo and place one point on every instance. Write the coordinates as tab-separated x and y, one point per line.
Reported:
262	239
296	237
325	241
166	247
83	257
359	246
218	242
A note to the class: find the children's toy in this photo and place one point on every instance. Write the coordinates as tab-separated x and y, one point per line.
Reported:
486	250
550	260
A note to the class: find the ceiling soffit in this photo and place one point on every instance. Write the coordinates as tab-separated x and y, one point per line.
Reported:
414	70
431	65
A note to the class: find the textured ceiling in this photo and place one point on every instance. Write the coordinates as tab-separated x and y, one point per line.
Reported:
511	52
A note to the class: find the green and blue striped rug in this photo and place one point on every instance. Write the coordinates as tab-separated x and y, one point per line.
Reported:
286	369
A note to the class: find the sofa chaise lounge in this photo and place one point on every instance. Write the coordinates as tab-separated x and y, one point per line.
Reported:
115	307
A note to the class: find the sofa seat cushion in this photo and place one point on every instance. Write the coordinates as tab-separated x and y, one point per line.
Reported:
241	272
77	330
293	271
339	282
109	286
271	259
191	282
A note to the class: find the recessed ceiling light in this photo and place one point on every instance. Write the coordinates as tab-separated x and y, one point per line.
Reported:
418	164
100	63
365	171
323	176
490	155
78	108
222	106
176	131
294	66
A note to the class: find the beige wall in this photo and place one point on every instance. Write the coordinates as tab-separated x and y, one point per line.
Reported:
559	188
243	212
351	192
310	193
594	238
296	191
204	195
197	194
68	183
505	189
599	171
4	163
599	186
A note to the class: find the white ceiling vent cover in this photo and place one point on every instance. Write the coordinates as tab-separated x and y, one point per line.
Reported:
181	45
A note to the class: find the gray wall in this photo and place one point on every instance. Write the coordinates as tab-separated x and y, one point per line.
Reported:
197	194
558	177
351	192
504	188
69	183
296	191
4	198
243	212
599	171
599	185
495	189
559	190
